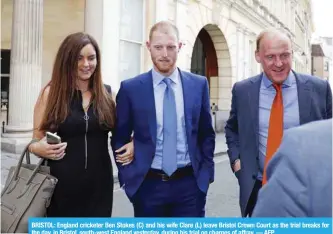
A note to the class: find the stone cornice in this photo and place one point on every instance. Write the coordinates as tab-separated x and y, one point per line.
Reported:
185	1
300	23
249	12
228	3
293	3
257	13
264	19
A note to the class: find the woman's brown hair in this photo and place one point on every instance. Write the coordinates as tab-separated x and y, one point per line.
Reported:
63	85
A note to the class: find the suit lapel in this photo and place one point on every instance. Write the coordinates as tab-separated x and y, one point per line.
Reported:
188	92
304	98
253	97
149	100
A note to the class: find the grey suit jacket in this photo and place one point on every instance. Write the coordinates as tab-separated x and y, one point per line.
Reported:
241	130
300	175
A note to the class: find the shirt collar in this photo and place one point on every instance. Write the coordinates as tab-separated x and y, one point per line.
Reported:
287	83
158	77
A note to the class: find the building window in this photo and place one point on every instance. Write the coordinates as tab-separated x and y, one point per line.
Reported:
131	38
326	66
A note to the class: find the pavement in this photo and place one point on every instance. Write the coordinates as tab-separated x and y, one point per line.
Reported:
222	197
10	159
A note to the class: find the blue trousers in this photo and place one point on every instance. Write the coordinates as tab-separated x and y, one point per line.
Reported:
173	198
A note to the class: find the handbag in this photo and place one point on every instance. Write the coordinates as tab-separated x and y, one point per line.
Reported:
27	193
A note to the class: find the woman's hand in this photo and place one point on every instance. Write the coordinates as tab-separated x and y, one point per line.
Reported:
48	151
127	156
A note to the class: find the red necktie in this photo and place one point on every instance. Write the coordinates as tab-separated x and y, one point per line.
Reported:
275	129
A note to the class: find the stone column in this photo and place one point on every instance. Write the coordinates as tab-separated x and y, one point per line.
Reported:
288	6
240	52
25	66
293	4
101	21
247	54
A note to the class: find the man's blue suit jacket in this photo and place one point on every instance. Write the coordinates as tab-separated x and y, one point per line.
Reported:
315	103
136	113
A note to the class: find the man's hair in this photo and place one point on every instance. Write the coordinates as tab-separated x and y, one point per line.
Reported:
275	31
164	27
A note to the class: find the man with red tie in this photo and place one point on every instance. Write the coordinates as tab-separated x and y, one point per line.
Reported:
264	106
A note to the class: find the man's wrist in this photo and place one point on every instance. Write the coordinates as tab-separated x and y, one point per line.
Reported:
32	145
234	163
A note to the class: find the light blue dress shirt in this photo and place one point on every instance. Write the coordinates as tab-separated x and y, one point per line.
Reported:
290	115
183	158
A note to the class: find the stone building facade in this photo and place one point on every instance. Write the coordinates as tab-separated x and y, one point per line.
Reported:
219	38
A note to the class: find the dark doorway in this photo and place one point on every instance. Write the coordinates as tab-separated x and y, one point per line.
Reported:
5	71
198	63
204	59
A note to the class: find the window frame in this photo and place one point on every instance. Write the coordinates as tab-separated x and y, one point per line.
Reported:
141	44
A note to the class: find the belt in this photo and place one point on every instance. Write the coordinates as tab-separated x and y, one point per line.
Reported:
178	174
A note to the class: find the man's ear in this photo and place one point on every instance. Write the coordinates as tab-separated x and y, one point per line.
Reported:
180	45
256	54
148	45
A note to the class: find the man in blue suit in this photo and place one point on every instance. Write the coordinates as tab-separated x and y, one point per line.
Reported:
264	106
300	174
169	112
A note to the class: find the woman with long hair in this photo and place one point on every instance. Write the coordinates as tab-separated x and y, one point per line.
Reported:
77	106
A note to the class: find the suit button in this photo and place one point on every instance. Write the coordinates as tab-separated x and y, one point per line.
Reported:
257	157
254	177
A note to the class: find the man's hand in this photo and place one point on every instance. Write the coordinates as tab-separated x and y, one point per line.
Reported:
125	154
237	165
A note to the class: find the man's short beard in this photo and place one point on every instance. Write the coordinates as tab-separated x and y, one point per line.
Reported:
161	69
